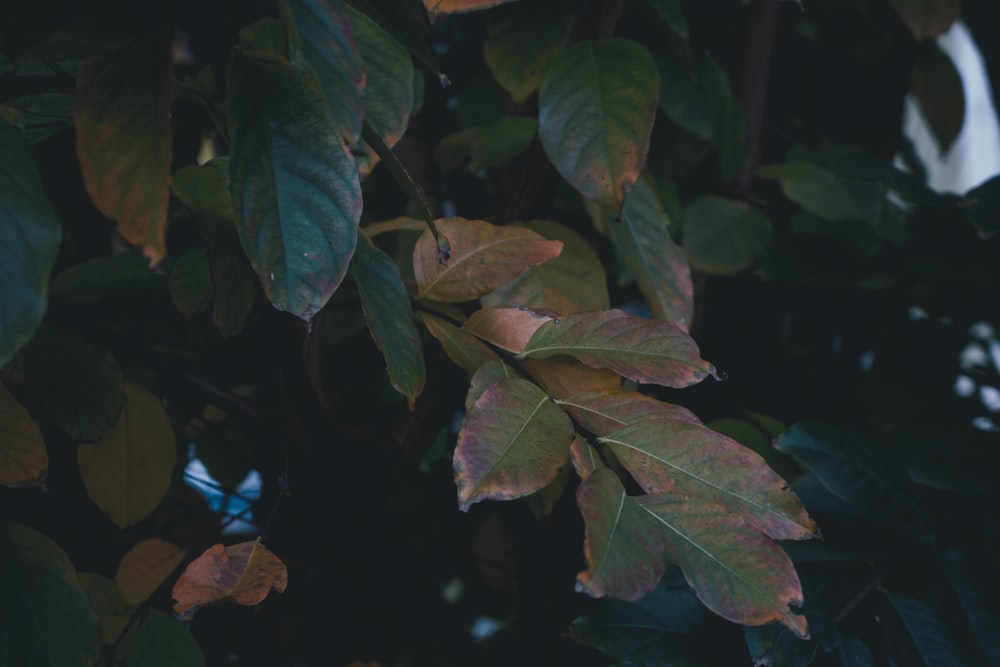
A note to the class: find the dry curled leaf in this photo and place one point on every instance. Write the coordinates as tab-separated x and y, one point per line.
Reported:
243	573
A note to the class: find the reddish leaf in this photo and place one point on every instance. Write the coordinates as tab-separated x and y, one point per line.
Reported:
565	376
623	544
584	457
509	329
604	411
736	571
467	351
489	374
641	349
243	573
121	115
512	443
483	257
692	460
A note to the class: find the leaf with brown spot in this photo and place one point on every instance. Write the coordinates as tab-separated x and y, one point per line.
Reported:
243	573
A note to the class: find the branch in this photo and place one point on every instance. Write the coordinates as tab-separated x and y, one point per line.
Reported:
753	92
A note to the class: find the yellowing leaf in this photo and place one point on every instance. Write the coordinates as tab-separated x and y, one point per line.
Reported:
512	443
467	351
441	7
128	470
109	605
509	329
692	460
596	108
483	257
565	376
145	567
570	283
244	573
121	115
640	349
521	43
23	457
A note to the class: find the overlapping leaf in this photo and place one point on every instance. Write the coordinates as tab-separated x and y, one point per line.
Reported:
390	317
597	103
29	240
565	376
442	7
736	571
190	283
570	283
623	543
512	443
483	257
322	39
604	411
521	43
145	566
688	459
467	351
814	188
927	19
486	146
24	459
121	116
107	602
510	329
128	470
243	573
638	348
47	619
159	640
294	183
658	264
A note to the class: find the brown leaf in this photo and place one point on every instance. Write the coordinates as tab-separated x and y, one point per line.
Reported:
509	329
243	573
565	376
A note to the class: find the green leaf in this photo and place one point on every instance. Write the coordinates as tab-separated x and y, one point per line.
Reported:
322	38
205	190
121	116
159	640
24	461
814	188
389	77
489	375
736	571
570	283
521	43
486	146
294	183
407	22
266	34
101	277
966	572
623	544
724	236
850	469
107	602
128	471
596	108
673	14
512	443
190	283
935	641
77	386
927	19
483	257
937	85
692	460
659	266
467	351
47	616
603	411
640	349
29	240
683	99
390	317
144	568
